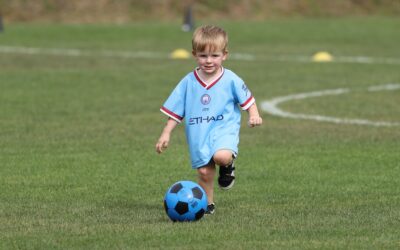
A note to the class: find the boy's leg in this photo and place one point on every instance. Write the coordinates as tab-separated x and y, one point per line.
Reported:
206	180
224	158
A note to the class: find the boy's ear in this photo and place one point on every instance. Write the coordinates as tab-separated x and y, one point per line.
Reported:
225	56
193	53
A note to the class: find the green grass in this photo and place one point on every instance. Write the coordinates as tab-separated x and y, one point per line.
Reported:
78	169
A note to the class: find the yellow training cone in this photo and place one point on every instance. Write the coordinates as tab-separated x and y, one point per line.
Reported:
322	56
180	54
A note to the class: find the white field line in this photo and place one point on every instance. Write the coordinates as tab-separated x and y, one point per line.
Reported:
80	52
159	55
388	87
272	108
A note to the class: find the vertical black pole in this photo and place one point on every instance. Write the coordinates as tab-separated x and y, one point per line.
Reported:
188	20
1	23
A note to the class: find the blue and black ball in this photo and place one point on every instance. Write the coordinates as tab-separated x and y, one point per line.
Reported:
185	201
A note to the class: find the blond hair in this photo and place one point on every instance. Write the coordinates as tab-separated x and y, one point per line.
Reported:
211	38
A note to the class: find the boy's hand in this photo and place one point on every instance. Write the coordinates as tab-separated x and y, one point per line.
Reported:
254	121
162	143
254	117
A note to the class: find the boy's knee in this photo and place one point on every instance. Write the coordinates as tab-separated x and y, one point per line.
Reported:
206	173
223	157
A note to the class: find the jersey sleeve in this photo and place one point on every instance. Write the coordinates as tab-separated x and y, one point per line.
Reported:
174	106
243	94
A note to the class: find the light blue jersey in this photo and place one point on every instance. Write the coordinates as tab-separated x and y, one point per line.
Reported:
211	112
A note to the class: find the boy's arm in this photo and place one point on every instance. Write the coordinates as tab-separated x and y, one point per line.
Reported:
163	141
254	117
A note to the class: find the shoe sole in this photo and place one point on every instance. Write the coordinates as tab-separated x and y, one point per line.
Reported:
227	187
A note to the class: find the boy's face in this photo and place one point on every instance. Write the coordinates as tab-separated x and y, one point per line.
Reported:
210	61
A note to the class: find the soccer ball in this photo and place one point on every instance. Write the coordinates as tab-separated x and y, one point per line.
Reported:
185	201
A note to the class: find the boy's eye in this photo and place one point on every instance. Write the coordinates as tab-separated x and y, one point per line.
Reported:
209	55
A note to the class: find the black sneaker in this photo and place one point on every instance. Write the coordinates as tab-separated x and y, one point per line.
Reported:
210	208
226	177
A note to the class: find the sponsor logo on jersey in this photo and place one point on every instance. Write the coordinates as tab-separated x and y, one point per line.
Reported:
205	119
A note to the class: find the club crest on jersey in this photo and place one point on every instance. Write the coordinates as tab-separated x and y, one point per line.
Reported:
205	99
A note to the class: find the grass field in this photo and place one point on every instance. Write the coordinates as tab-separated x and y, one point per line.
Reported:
79	118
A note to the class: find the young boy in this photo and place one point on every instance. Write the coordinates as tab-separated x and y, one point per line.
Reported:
209	99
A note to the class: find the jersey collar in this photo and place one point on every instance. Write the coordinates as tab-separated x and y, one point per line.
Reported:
212	83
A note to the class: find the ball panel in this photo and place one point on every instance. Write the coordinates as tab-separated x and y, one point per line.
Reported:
182	207
185	194
188	217
175	188
173	215
199	214
197	193
171	199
